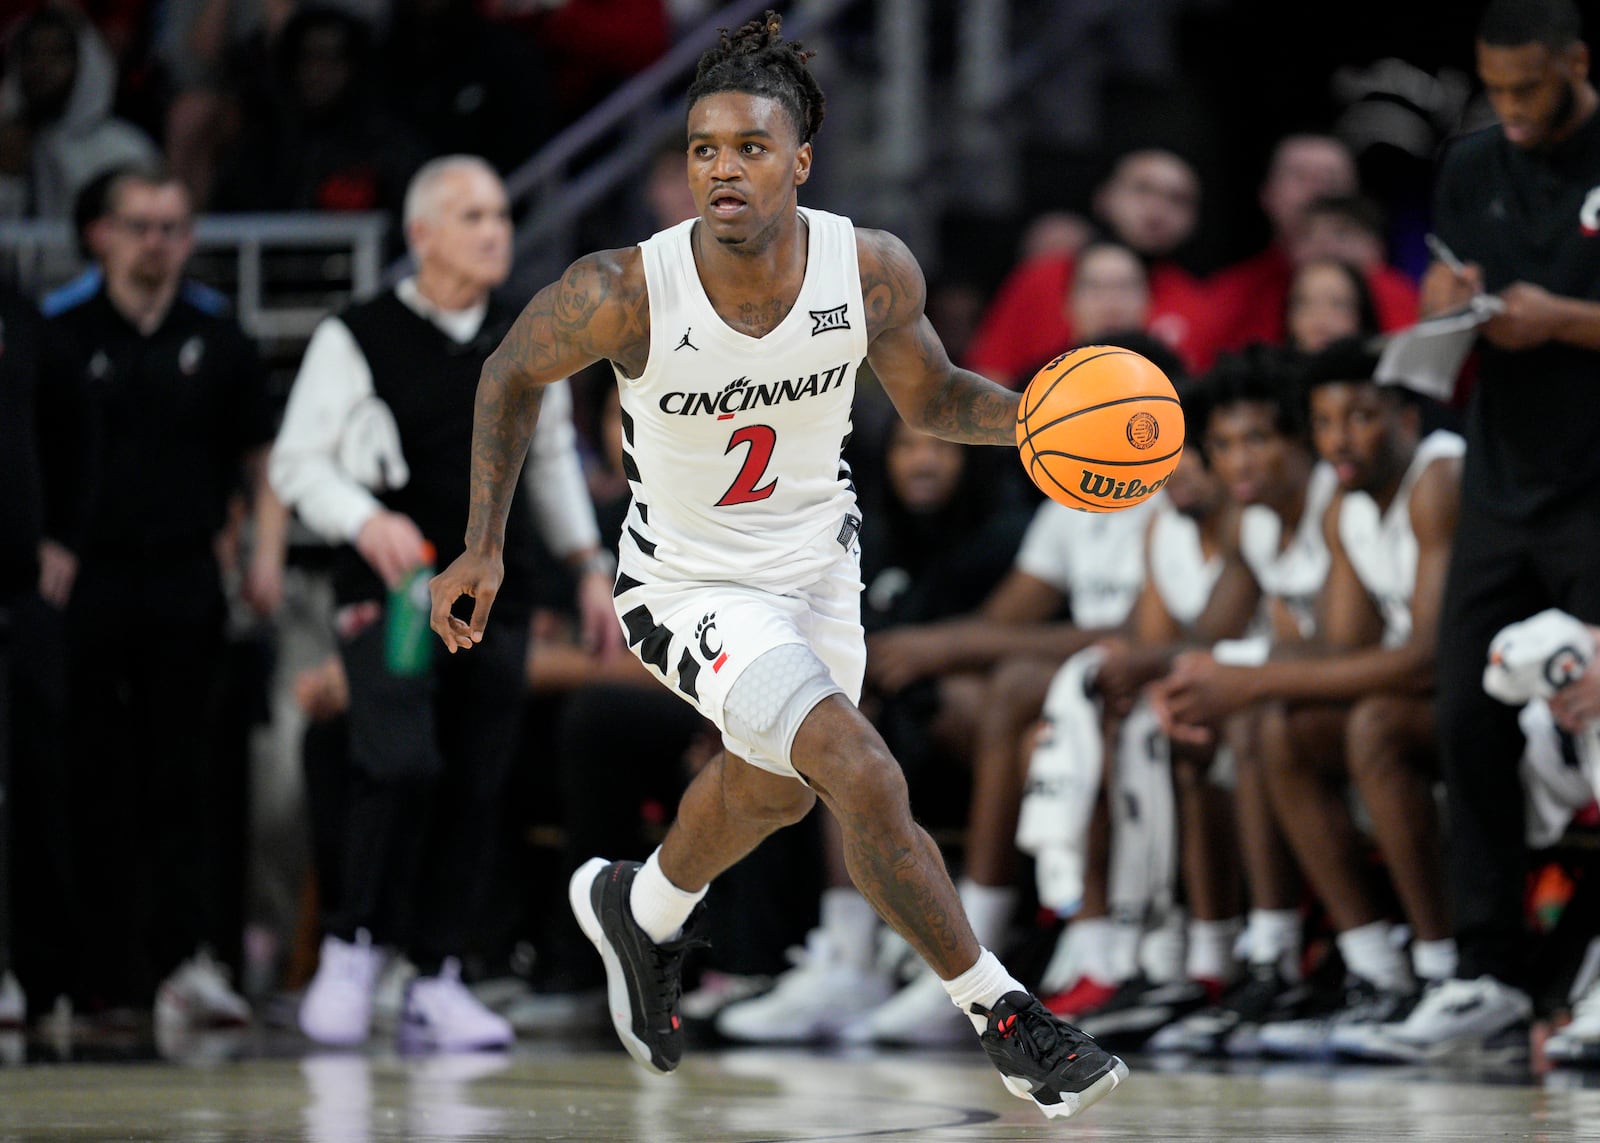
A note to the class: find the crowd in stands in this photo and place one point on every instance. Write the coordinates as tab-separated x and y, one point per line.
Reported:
268	105
1182	759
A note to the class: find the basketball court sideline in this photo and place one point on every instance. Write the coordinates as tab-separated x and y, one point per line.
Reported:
258	1086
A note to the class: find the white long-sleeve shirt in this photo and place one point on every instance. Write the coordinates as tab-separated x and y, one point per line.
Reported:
338	444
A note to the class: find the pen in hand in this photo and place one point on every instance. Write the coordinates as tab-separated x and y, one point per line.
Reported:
1443	253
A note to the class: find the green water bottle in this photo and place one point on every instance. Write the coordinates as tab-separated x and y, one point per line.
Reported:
408	640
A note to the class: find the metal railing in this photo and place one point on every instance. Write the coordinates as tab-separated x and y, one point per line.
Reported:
347	249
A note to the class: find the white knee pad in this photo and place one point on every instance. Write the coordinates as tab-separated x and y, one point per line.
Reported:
770	700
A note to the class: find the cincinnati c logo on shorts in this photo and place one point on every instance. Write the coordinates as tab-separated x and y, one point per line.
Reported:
1589	213
824	320
710	641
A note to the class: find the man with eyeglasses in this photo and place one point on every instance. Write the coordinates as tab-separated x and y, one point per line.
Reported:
159	414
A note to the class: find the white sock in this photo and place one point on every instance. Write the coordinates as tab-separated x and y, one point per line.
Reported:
1273	937
1370	954
1162	949
1434	960
984	983
1210	956
1124	962
988	910
659	906
852	926
1095	938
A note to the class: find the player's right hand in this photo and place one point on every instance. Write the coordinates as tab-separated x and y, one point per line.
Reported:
1444	289
470	573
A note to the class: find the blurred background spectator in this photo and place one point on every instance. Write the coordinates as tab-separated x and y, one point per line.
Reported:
317	136
57	130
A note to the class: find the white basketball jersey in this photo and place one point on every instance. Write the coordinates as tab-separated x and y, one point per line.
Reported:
1179	569
1383	547
1095	559
732	444
1293	572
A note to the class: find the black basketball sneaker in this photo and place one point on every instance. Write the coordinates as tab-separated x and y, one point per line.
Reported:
643	979
1043	1058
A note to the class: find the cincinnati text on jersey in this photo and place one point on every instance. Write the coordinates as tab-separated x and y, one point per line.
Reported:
742	393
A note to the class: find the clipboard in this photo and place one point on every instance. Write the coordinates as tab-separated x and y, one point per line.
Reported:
1427	357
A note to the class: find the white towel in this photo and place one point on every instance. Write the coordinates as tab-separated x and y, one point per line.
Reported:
1537	656
1555	790
1528	662
1063	782
1144	820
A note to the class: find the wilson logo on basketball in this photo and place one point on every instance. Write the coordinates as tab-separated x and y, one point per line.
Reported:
1106	487
1143	429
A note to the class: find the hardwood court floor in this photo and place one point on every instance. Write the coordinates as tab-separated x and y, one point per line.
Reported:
262	1087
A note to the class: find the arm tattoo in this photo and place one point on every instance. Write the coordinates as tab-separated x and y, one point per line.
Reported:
956	404
973	409
508	401
506	410
891	286
591	313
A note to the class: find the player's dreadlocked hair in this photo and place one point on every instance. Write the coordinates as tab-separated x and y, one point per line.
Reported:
757	60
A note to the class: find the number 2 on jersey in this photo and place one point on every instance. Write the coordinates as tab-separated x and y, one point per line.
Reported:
744	490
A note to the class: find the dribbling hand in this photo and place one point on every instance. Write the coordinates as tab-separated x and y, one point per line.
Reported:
468	574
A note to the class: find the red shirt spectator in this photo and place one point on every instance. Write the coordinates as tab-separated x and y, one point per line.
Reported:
1248	297
1028	322
1252	292
1150	202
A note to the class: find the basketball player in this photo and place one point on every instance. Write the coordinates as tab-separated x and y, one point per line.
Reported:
1275	559
1360	710
738	583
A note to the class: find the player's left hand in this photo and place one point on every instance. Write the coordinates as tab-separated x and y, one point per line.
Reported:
470	573
1577	704
1530	318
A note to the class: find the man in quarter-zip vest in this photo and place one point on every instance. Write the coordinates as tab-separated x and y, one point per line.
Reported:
373	454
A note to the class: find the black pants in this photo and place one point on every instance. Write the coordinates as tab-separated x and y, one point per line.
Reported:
1501	572
44	926
144	684
429	759
6	736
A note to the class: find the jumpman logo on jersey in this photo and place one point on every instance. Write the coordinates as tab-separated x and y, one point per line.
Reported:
686	341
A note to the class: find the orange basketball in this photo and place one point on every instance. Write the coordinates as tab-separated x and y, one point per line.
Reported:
1100	428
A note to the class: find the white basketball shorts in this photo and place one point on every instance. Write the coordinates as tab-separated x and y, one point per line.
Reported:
699	639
